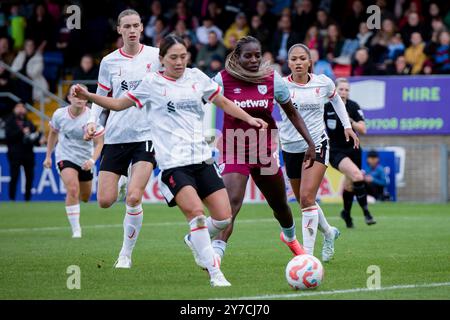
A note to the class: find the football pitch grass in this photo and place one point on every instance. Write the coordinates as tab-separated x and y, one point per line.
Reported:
410	244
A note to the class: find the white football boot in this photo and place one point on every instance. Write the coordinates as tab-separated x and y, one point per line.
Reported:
122	184
76	234
328	245
218	280
123	262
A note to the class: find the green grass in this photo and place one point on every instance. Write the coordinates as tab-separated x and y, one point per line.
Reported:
410	244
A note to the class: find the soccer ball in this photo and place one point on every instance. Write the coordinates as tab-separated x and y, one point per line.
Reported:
304	272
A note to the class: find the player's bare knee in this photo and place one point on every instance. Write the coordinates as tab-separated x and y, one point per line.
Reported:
105	202
307	199
134	198
72	191
357	176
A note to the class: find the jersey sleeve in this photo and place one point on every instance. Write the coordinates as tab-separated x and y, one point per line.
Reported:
356	113
210	88
104	87
281	91
104	82
331	88
141	94
218	79
55	121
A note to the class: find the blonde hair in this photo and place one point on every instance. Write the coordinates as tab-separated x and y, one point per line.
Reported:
127	12
234	68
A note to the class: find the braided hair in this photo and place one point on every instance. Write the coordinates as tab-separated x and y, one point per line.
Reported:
234	68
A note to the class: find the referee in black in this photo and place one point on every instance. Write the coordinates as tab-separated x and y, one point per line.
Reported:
344	157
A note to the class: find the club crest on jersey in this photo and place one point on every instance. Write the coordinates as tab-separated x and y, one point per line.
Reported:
237	90
317	91
262	88
149	65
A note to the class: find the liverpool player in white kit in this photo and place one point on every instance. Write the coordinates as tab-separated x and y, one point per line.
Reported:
128	135
309	93
75	157
189	178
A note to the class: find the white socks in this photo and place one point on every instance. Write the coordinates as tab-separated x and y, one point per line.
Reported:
215	226
73	215
310	222
132	224
323	223
201	241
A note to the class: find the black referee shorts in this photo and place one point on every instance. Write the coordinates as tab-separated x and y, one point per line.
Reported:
205	178
294	161
117	157
337	154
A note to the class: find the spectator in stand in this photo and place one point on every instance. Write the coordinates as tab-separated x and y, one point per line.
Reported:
41	28
17	25
332	43
354	19
313	39
21	136
414	54
238	30
191	49
303	17
321	66
268	56
156	14
30	63
434	12
87	70
261	32
6	54
395	47
216	12
283	39
375	177
400	67
215	65
362	64
441	57
182	13
267	18
413	25
181	30
206	53
364	35
160	31
322	22
206	27
381	40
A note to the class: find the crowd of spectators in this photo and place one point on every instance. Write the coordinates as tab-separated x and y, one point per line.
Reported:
413	37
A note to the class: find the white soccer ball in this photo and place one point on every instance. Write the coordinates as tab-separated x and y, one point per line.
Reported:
304	272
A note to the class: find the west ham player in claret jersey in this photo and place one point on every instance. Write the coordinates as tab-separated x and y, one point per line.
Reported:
309	92
246	151
189	178
75	157
128	135
345	158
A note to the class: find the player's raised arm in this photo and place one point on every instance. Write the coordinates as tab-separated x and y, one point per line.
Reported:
105	102
232	109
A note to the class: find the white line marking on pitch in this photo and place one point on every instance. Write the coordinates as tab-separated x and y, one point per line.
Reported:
102	226
162	224
324	293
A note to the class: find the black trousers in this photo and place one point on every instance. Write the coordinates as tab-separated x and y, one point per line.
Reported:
15	162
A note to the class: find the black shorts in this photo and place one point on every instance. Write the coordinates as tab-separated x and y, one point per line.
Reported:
293	162
205	178
336	156
83	175
117	157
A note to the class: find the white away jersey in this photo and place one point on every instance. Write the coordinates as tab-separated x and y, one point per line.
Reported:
119	73
71	146
176	113
309	100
